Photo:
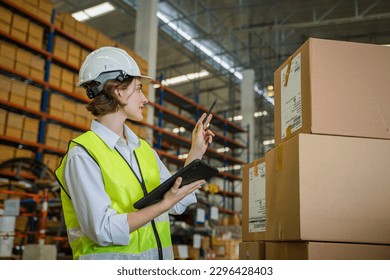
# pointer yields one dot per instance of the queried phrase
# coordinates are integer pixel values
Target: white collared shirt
(92, 204)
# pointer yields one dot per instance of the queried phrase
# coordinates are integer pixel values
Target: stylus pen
(209, 111)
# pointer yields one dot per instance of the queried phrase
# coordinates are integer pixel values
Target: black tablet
(196, 170)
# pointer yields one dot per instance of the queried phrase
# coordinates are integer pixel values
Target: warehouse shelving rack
(165, 115)
(224, 136)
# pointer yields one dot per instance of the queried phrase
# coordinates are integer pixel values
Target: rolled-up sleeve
(180, 207)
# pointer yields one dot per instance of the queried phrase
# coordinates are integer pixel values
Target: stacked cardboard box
(22, 28)
(90, 36)
(5, 20)
(19, 126)
(186, 252)
(20, 93)
(226, 249)
(327, 184)
(335, 88)
(326, 251)
(3, 119)
(69, 110)
(19, 27)
(30, 129)
(24, 153)
(252, 250)
(39, 8)
(7, 55)
(7, 152)
(52, 135)
(35, 35)
(14, 125)
(52, 161)
(22, 61)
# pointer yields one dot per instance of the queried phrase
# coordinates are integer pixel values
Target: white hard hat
(108, 63)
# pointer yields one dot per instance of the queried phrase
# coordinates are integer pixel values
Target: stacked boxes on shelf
(20, 127)
(20, 93)
(3, 118)
(5, 20)
(21, 27)
(22, 61)
(66, 102)
(91, 37)
(326, 186)
(41, 9)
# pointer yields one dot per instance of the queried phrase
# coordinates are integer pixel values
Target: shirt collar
(111, 138)
(132, 138)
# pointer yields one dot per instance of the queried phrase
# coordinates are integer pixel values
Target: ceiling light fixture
(94, 11)
(185, 78)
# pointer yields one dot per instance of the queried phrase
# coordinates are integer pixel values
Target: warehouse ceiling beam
(300, 25)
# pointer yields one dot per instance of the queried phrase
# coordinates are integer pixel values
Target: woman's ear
(118, 92)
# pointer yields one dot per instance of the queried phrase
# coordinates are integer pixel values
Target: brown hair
(107, 101)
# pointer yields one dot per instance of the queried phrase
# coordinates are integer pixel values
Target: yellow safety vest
(123, 187)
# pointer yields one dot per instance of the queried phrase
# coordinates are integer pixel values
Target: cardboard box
(7, 152)
(22, 68)
(23, 56)
(13, 132)
(18, 88)
(5, 15)
(226, 249)
(37, 62)
(5, 27)
(33, 104)
(52, 161)
(20, 35)
(15, 120)
(31, 125)
(30, 135)
(329, 188)
(325, 251)
(5, 84)
(45, 6)
(8, 50)
(56, 101)
(33, 98)
(6, 62)
(253, 200)
(20, 23)
(34, 93)
(38, 43)
(53, 131)
(252, 250)
(3, 118)
(23, 153)
(335, 88)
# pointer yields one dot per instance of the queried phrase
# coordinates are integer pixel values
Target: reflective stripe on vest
(123, 189)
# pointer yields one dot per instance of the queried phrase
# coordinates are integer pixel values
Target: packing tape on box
(288, 71)
(280, 157)
(256, 171)
(288, 132)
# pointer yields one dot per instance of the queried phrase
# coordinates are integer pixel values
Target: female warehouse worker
(108, 168)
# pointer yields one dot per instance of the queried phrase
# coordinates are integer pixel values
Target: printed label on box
(257, 198)
(291, 107)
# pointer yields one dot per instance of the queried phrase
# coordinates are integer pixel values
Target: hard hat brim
(145, 80)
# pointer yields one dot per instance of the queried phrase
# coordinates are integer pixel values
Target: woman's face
(134, 99)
